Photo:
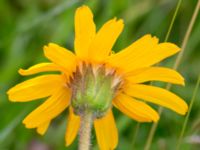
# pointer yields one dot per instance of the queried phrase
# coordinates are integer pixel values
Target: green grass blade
(59, 9)
(172, 21)
(137, 128)
(188, 114)
(5, 132)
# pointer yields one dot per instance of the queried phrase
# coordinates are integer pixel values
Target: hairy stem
(85, 131)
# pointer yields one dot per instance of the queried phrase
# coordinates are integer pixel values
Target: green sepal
(92, 92)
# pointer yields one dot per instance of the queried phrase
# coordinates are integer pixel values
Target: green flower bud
(93, 89)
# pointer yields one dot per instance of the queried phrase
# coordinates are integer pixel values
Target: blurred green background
(27, 25)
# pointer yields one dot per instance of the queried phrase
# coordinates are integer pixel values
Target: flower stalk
(85, 131)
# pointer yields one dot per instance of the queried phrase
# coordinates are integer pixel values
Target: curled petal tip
(21, 71)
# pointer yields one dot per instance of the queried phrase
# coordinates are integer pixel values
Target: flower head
(94, 79)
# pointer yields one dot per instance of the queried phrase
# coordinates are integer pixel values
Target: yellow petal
(144, 52)
(41, 129)
(85, 31)
(61, 57)
(142, 45)
(106, 132)
(135, 109)
(41, 67)
(51, 108)
(38, 87)
(104, 40)
(155, 74)
(73, 125)
(158, 96)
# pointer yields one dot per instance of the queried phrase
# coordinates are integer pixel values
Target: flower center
(93, 88)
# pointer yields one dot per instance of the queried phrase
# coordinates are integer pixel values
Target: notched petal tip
(120, 22)
(9, 93)
(115, 21)
(39, 130)
(48, 48)
(154, 39)
(45, 47)
(26, 124)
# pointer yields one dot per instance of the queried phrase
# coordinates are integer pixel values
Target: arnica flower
(93, 79)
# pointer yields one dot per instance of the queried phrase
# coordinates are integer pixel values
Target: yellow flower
(125, 72)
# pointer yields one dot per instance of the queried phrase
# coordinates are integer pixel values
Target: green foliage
(26, 26)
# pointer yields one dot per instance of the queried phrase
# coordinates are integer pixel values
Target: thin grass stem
(176, 65)
(188, 114)
(137, 127)
(173, 20)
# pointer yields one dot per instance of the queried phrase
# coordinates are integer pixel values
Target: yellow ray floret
(155, 74)
(41, 67)
(85, 31)
(143, 53)
(106, 132)
(41, 129)
(104, 40)
(61, 57)
(158, 96)
(38, 87)
(73, 125)
(51, 108)
(135, 109)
